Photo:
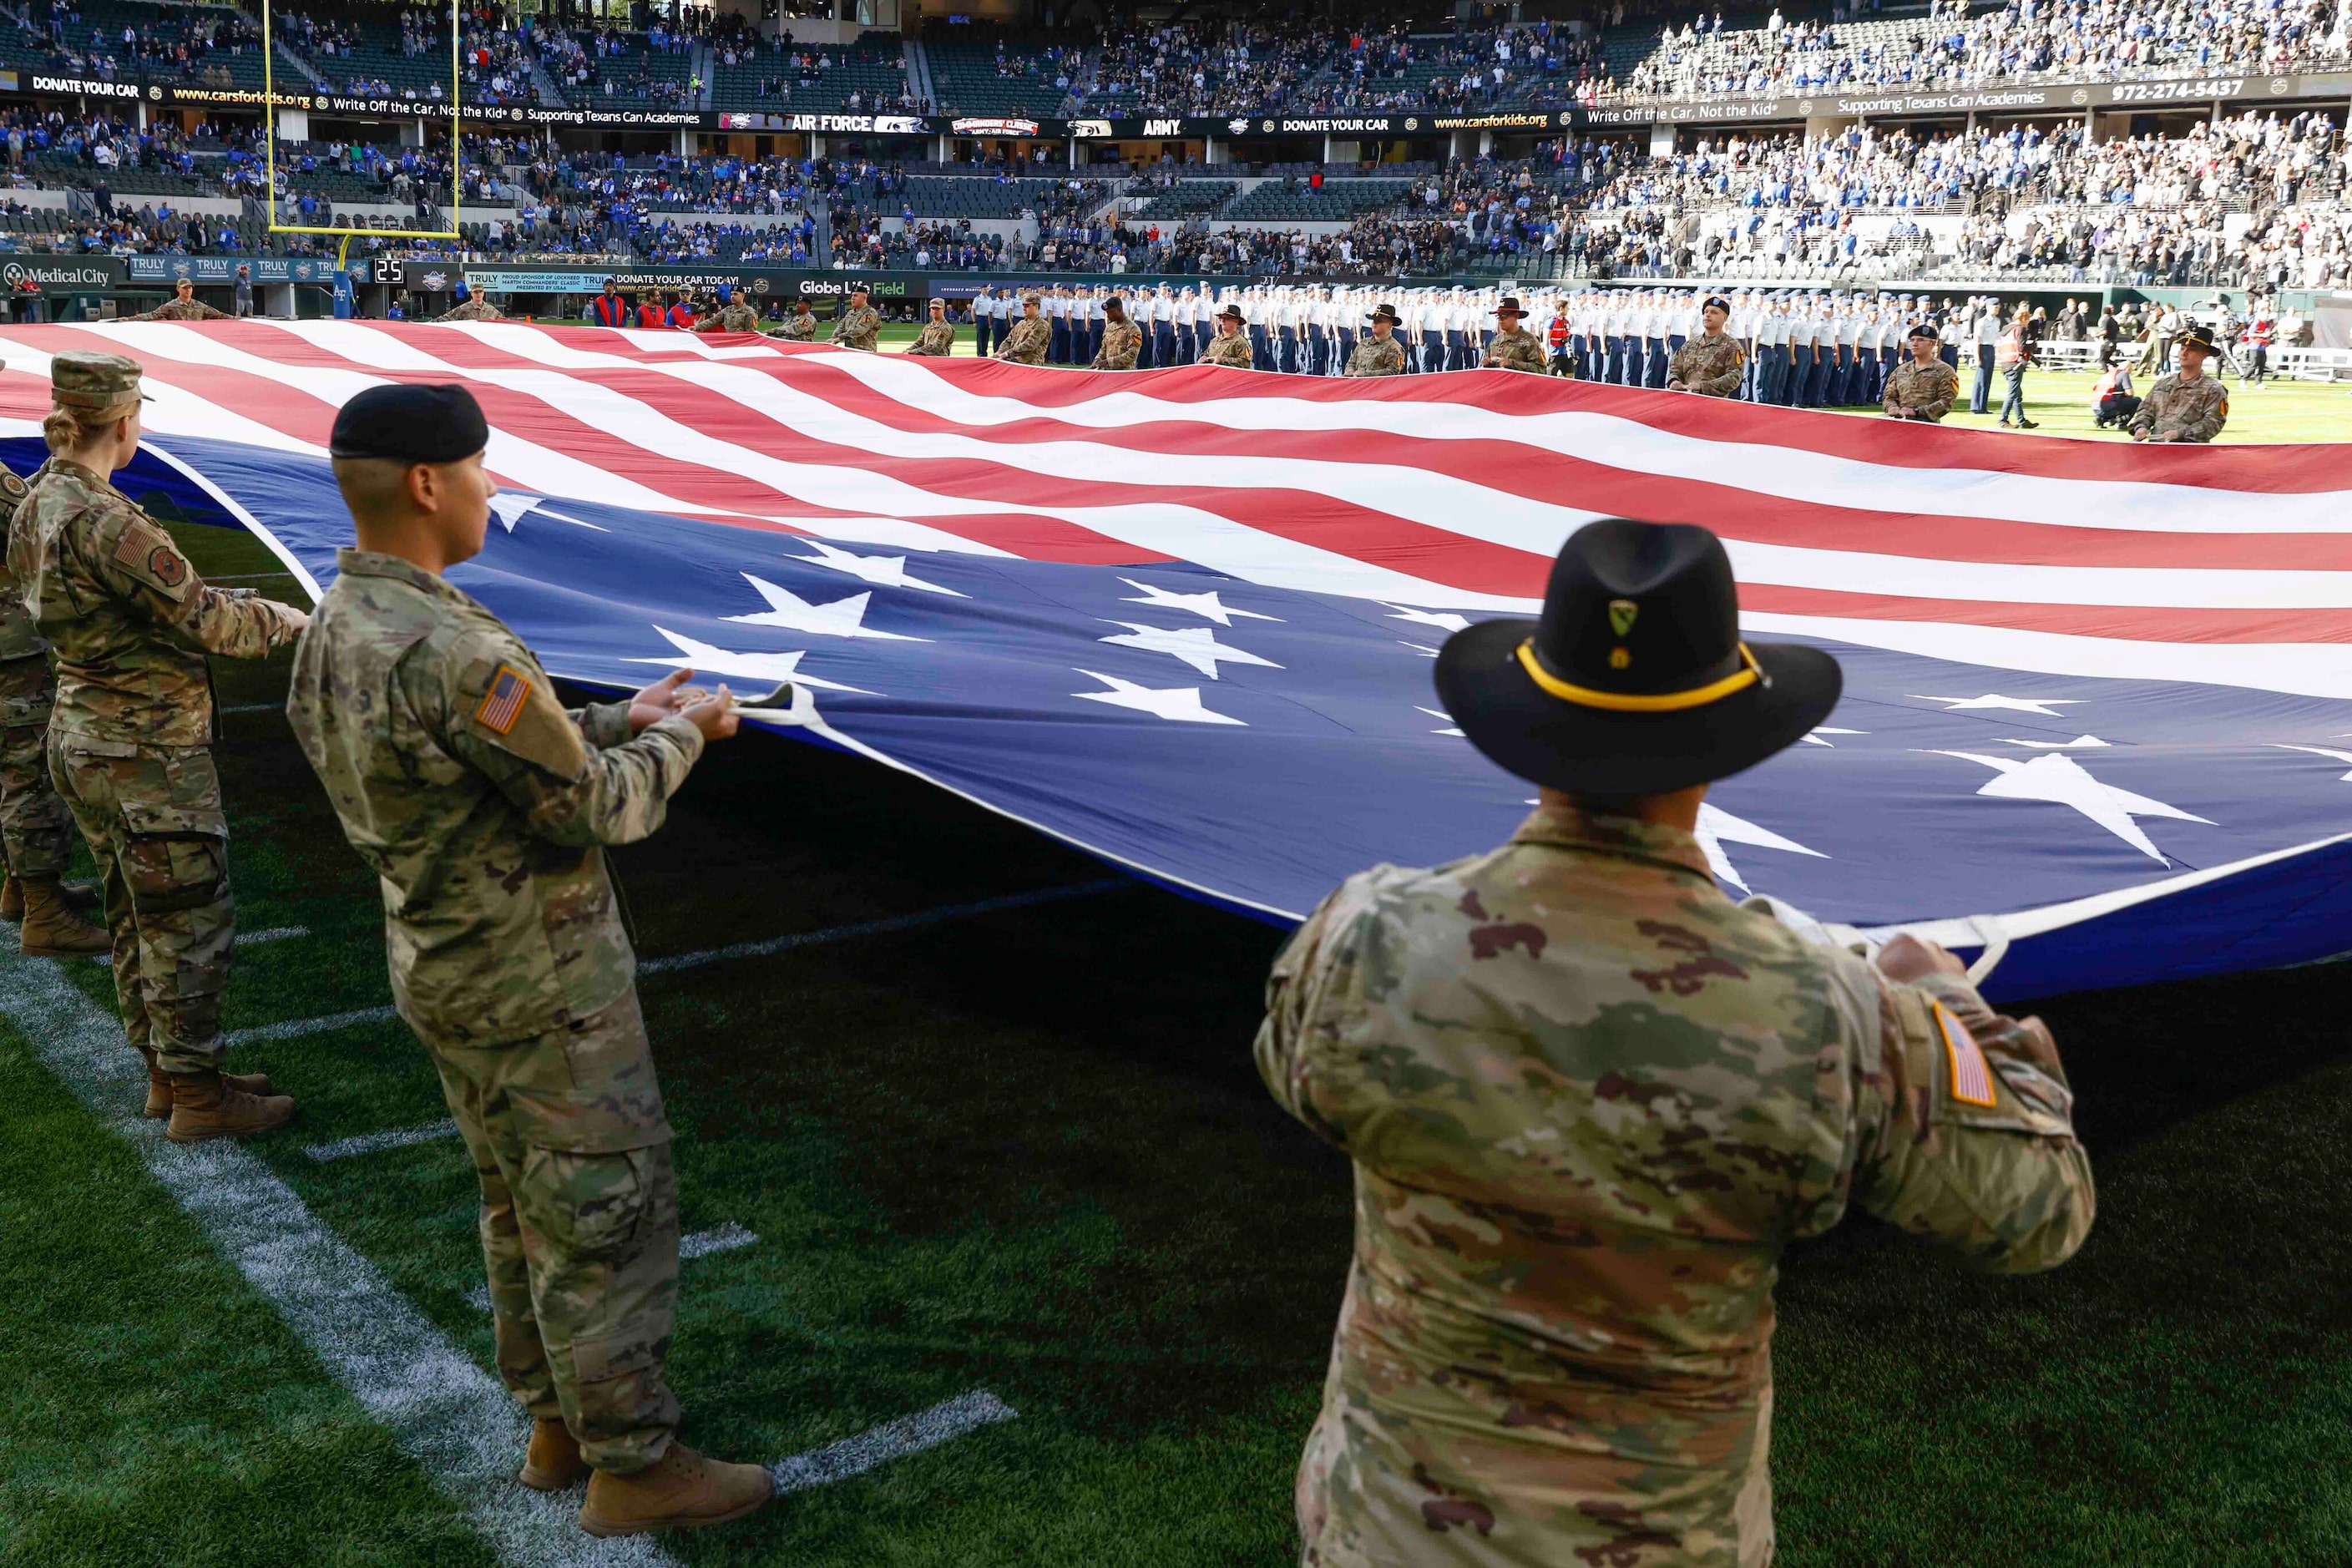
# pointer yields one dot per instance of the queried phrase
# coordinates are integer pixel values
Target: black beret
(411, 425)
(1718, 301)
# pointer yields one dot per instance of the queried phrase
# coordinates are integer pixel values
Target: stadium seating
(871, 69)
(1338, 200)
(978, 77)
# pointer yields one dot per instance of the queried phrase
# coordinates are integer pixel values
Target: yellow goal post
(456, 146)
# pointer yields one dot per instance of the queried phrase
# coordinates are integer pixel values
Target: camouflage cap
(85, 380)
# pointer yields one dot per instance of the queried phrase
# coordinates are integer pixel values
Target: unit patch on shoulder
(502, 703)
(1971, 1074)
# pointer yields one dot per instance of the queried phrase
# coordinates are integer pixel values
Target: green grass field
(1027, 1153)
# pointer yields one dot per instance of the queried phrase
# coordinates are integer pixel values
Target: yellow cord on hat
(1626, 702)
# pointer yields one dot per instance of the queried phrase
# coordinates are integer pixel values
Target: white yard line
(295, 1028)
(274, 933)
(445, 1413)
(722, 1238)
(775, 944)
(374, 1142)
(257, 708)
(924, 1429)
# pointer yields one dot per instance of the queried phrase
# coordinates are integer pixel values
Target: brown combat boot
(80, 896)
(51, 928)
(203, 1107)
(553, 1461)
(680, 1490)
(159, 1087)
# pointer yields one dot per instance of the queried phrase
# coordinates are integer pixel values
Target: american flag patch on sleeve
(1971, 1074)
(502, 704)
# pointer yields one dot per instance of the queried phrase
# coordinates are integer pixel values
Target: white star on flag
(1444, 619)
(883, 570)
(1815, 738)
(1425, 652)
(705, 658)
(841, 619)
(1438, 714)
(2079, 743)
(2318, 751)
(1181, 703)
(2061, 780)
(510, 509)
(1208, 606)
(1717, 827)
(2042, 705)
(1196, 646)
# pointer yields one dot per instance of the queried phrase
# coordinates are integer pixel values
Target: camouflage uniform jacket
(1030, 339)
(1709, 365)
(1930, 391)
(857, 328)
(798, 329)
(129, 618)
(1230, 349)
(1377, 356)
(477, 801)
(937, 341)
(734, 319)
(1122, 340)
(182, 311)
(19, 638)
(2184, 410)
(1518, 349)
(474, 309)
(1589, 1100)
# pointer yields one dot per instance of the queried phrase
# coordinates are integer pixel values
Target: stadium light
(269, 148)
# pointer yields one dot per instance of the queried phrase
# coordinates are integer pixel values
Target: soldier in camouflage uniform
(476, 308)
(1590, 1101)
(1712, 364)
(36, 829)
(800, 327)
(1379, 353)
(1231, 346)
(2187, 405)
(182, 307)
(1031, 337)
(1122, 340)
(131, 623)
(736, 316)
(1923, 386)
(859, 325)
(1513, 347)
(938, 338)
(483, 807)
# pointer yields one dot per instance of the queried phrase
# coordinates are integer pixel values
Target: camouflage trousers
(153, 818)
(36, 831)
(579, 1225)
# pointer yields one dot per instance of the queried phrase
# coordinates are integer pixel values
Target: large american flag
(2098, 712)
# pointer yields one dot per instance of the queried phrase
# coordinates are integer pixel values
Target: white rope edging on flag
(445, 1413)
(892, 1440)
(374, 1142)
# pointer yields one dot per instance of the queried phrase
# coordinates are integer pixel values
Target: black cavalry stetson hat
(1635, 680)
